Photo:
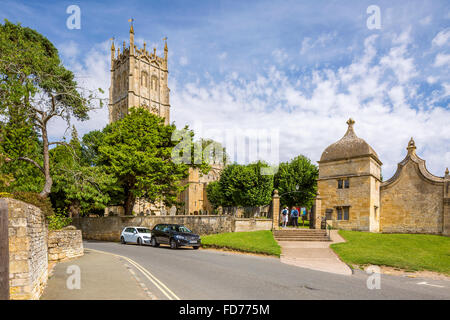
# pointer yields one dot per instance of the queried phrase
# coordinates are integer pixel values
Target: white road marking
(161, 286)
(429, 284)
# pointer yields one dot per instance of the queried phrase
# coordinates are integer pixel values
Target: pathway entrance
(313, 254)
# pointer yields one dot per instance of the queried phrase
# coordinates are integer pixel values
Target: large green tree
(137, 151)
(34, 82)
(19, 139)
(296, 182)
(77, 185)
(242, 185)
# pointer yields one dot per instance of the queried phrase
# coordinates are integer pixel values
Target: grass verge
(254, 242)
(411, 252)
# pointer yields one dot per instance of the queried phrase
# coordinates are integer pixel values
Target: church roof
(349, 146)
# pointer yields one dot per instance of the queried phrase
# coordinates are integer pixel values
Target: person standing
(294, 216)
(284, 217)
(303, 216)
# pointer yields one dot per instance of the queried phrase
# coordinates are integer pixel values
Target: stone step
(302, 239)
(299, 232)
(302, 236)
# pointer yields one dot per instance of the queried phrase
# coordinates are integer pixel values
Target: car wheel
(196, 247)
(122, 240)
(139, 242)
(173, 244)
(154, 243)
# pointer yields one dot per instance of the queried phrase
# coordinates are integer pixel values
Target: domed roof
(349, 146)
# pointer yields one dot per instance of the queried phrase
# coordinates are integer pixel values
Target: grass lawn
(255, 241)
(412, 252)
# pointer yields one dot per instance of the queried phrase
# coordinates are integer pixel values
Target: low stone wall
(64, 244)
(28, 259)
(242, 224)
(109, 228)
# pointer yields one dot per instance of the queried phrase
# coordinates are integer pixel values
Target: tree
(214, 194)
(298, 173)
(77, 185)
(17, 139)
(242, 185)
(137, 151)
(34, 82)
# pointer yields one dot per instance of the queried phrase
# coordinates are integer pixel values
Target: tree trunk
(129, 203)
(48, 179)
(74, 208)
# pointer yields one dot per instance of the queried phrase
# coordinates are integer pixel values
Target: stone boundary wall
(109, 228)
(64, 244)
(28, 258)
(243, 224)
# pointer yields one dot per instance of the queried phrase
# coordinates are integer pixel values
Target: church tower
(138, 79)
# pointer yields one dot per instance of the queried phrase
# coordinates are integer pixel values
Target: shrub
(58, 220)
(35, 199)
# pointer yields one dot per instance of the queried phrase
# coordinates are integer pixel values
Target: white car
(138, 235)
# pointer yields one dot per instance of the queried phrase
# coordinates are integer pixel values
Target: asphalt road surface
(210, 274)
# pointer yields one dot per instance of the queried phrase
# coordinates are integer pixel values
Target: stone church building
(352, 195)
(140, 79)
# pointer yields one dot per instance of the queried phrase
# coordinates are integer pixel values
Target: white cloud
(377, 91)
(308, 44)
(183, 60)
(69, 50)
(425, 21)
(91, 73)
(442, 59)
(441, 38)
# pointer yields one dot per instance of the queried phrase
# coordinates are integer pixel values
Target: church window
(340, 181)
(154, 83)
(144, 79)
(346, 183)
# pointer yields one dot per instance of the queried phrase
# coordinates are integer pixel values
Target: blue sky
(303, 67)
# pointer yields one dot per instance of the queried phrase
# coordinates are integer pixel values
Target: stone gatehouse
(353, 196)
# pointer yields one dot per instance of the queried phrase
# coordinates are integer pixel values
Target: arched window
(124, 81)
(118, 84)
(144, 79)
(154, 83)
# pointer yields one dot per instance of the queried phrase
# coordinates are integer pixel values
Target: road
(210, 274)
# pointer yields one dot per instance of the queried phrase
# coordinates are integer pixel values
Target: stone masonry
(64, 244)
(353, 197)
(27, 250)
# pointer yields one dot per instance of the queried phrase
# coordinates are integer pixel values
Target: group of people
(293, 215)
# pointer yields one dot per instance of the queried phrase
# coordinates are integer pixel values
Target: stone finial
(124, 45)
(131, 20)
(446, 172)
(350, 122)
(275, 193)
(411, 146)
(145, 44)
(113, 49)
(350, 132)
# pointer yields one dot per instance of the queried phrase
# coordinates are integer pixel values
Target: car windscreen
(183, 229)
(143, 230)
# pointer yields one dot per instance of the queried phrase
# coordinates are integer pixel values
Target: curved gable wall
(412, 200)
